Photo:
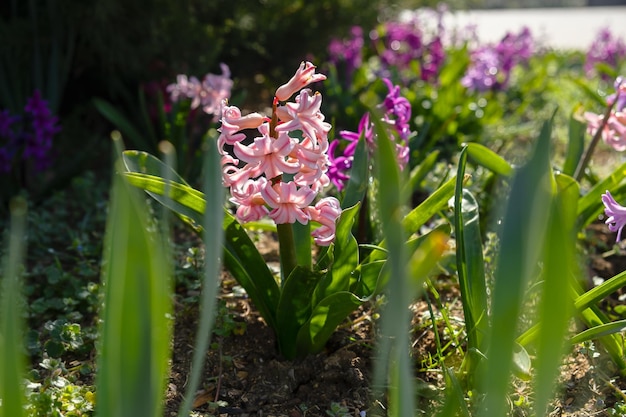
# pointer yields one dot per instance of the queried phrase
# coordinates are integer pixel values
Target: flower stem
(582, 164)
(287, 247)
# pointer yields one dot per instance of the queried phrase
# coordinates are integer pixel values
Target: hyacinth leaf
(134, 350)
(556, 305)
(470, 264)
(122, 123)
(393, 353)
(523, 231)
(12, 360)
(487, 158)
(420, 172)
(324, 319)
(575, 144)
(345, 257)
(241, 257)
(599, 331)
(597, 294)
(359, 176)
(213, 238)
(590, 205)
(294, 308)
(370, 278)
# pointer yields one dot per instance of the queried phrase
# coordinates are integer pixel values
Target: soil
(245, 375)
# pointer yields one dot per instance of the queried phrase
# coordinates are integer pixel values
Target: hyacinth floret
(281, 171)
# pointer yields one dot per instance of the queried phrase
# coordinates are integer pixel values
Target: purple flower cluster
(208, 93)
(406, 42)
(397, 114)
(348, 52)
(28, 136)
(491, 65)
(605, 49)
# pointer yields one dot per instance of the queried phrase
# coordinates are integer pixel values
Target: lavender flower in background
(491, 65)
(605, 49)
(348, 51)
(28, 137)
(616, 214)
(397, 114)
(208, 93)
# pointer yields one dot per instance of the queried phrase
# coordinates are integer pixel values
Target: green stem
(287, 246)
(582, 164)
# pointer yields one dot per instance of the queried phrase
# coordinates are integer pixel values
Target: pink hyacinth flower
(251, 205)
(267, 155)
(233, 122)
(304, 76)
(616, 214)
(305, 115)
(326, 212)
(288, 202)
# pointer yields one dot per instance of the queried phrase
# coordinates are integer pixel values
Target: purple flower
(348, 51)
(491, 65)
(397, 114)
(605, 49)
(38, 143)
(616, 214)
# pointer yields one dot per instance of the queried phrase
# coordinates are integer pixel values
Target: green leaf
(487, 158)
(523, 231)
(12, 359)
(241, 257)
(420, 172)
(135, 331)
(345, 257)
(575, 144)
(599, 331)
(324, 319)
(470, 264)
(294, 308)
(122, 123)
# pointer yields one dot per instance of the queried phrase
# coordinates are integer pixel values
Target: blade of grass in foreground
(135, 334)
(521, 239)
(213, 238)
(11, 348)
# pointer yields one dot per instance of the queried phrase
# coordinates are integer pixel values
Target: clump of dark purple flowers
(491, 65)
(406, 42)
(347, 52)
(396, 115)
(28, 136)
(606, 49)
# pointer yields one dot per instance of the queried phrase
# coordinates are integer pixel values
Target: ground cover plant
(421, 225)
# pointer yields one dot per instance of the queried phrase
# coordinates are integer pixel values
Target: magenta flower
(616, 214)
(288, 202)
(605, 49)
(304, 76)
